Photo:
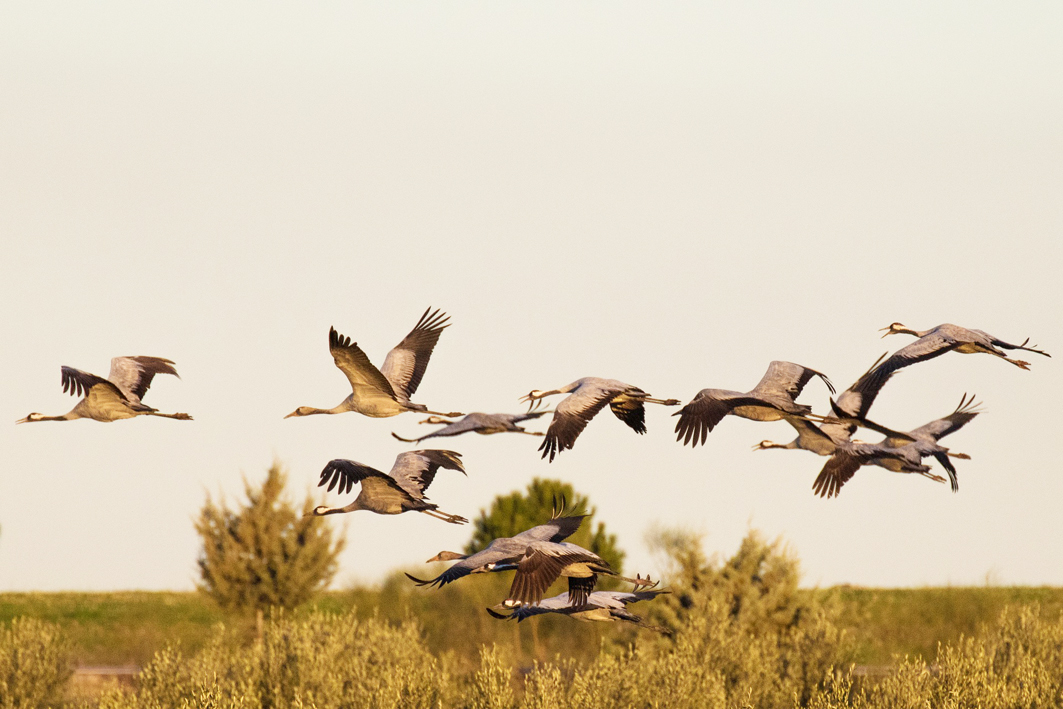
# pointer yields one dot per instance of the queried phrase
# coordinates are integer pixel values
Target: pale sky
(670, 194)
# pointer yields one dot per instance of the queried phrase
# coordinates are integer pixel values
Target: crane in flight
(114, 398)
(400, 490)
(586, 397)
(948, 338)
(386, 391)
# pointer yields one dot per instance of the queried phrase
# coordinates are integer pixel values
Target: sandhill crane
(945, 338)
(502, 553)
(602, 606)
(586, 397)
(484, 424)
(118, 396)
(771, 399)
(899, 455)
(386, 391)
(401, 490)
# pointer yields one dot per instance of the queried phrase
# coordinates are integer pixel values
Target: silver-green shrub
(321, 661)
(34, 664)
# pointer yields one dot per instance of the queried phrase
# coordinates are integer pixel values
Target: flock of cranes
(540, 556)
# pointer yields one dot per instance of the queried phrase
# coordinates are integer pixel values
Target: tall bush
(265, 554)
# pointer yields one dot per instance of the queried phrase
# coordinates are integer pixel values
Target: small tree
(266, 554)
(513, 513)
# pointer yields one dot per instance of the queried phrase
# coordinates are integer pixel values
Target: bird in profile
(948, 338)
(601, 606)
(772, 399)
(586, 397)
(484, 424)
(900, 455)
(114, 398)
(503, 553)
(400, 490)
(386, 391)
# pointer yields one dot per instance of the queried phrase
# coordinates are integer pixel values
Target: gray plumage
(400, 490)
(502, 553)
(952, 338)
(386, 391)
(476, 422)
(586, 397)
(600, 606)
(117, 397)
(772, 399)
(899, 455)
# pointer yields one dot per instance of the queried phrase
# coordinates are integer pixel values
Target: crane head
(446, 556)
(301, 411)
(894, 328)
(320, 510)
(30, 418)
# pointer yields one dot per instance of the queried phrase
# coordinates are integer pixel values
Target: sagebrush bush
(320, 661)
(34, 664)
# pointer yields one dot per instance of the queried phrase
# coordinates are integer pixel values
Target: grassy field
(129, 627)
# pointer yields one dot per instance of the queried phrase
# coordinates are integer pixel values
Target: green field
(129, 627)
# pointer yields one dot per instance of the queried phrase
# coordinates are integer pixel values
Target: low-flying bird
(400, 490)
(899, 455)
(386, 391)
(484, 424)
(772, 399)
(602, 606)
(586, 397)
(543, 562)
(948, 338)
(118, 396)
(503, 553)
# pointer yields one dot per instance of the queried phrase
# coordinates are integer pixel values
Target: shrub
(34, 664)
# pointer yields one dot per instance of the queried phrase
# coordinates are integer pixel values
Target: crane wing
(630, 411)
(556, 530)
(349, 472)
(133, 375)
(360, 372)
(405, 364)
(537, 570)
(959, 418)
(571, 417)
(79, 383)
(707, 409)
(927, 347)
(414, 471)
(837, 471)
(789, 378)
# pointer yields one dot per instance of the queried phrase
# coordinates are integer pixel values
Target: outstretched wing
(78, 383)
(959, 418)
(789, 378)
(133, 375)
(537, 570)
(631, 411)
(349, 472)
(360, 372)
(557, 529)
(925, 348)
(705, 410)
(405, 364)
(414, 471)
(572, 416)
(838, 470)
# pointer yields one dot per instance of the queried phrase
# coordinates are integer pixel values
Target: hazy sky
(670, 194)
